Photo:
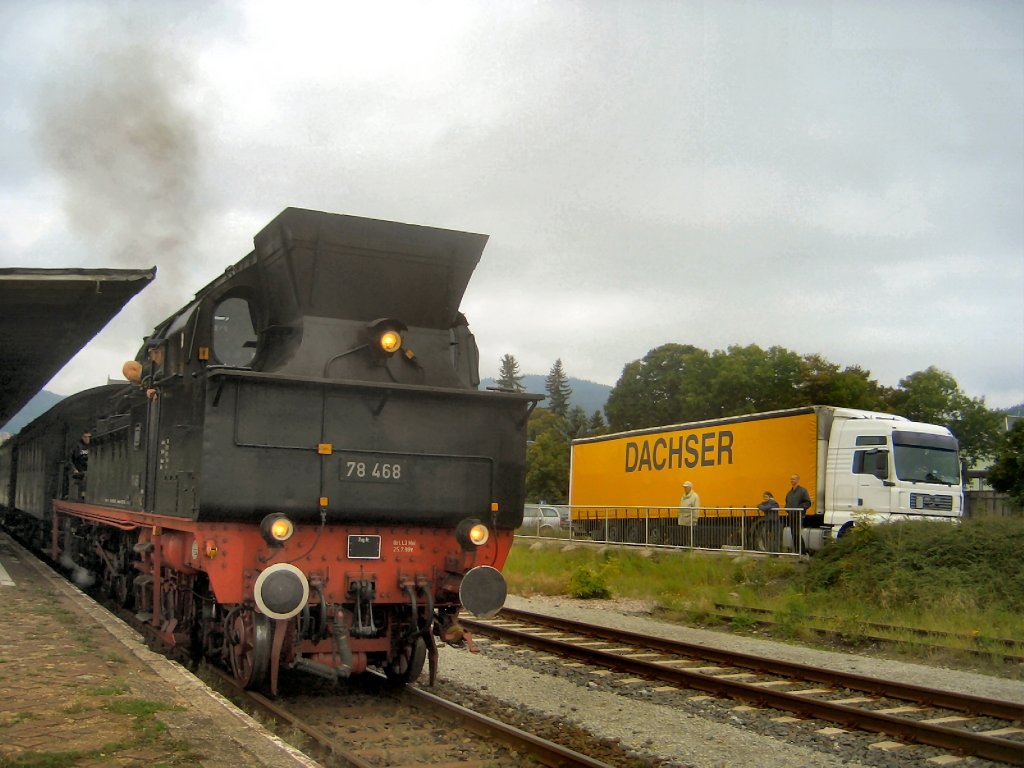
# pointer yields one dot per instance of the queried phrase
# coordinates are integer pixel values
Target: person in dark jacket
(770, 508)
(80, 465)
(798, 501)
(80, 455)
(154, 368)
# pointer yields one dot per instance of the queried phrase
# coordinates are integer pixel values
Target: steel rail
(961, 702)
(989, 747)
(545, 752)
(282, 715)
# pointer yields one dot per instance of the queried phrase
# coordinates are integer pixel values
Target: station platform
(78, 687)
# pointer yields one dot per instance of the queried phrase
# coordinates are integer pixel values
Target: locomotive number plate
(362, 547)
(372, 470)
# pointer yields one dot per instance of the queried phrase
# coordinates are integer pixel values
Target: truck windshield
(927, 463)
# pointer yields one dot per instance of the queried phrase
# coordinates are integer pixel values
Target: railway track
(1007, 651)
(957, 723)
(369, 726)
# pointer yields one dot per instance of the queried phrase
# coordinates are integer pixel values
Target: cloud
(843, 178)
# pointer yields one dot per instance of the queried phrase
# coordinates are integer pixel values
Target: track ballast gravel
(648, 726)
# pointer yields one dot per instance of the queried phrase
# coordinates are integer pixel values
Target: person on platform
(770, 509)
(688, 505)
(798, 501)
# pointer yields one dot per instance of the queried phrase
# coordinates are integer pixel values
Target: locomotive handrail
(93, 513)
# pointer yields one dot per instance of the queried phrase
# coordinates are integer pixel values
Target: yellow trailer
(628, 486)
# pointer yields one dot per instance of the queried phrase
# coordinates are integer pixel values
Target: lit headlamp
(385, 336)
(390, 341)
(471, 533)
(276, 529)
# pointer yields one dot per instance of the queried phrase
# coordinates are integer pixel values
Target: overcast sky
(845, 178)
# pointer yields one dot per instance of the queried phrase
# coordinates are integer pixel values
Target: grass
(964, 579)
(147, 730)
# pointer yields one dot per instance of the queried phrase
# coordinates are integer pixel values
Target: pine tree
(508, 375)
(597, 425)
(576, 423)
(558, 389)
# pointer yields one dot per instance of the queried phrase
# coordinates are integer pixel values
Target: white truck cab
(881, 467)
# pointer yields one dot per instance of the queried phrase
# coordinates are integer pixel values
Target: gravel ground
(687, 729)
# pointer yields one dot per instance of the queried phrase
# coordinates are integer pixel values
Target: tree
(596, 426)
(547, 468)
(933, 396)
(822, 383)
(557, 386)
(667, 386)
(576, 423)
(547, 457)
(751, 380)
(1007, 473)
(677, 383)
(978, 429)
(508, 374)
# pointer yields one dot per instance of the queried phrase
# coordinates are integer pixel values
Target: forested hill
(589, 395)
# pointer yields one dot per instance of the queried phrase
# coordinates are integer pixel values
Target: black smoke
(116, 124)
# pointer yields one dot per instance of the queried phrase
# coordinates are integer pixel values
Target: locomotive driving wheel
(248, 640)
(407, 665)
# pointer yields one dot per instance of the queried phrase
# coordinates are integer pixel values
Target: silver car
(540, 520)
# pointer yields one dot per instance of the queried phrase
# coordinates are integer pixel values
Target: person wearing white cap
(688, 505)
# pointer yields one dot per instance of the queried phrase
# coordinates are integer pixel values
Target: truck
(858, 466)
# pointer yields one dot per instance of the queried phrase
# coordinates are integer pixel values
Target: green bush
(588, 583)
(977, 563)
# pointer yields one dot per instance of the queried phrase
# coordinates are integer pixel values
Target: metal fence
(709, 528)
(990, 504)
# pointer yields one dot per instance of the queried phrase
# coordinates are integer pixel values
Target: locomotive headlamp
(479, 534)
(276, 529)
(471, 533)
(390, 341)
(385, 335)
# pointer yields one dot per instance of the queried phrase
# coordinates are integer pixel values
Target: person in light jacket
(688, 505)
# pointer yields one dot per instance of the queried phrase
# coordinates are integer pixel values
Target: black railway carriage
(306, 474)
(35, 464)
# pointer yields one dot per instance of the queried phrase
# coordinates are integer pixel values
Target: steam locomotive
(301, 472)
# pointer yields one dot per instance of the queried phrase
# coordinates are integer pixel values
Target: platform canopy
(47, 316)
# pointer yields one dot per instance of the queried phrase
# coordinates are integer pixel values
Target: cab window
(873, 462)
(234, 337)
